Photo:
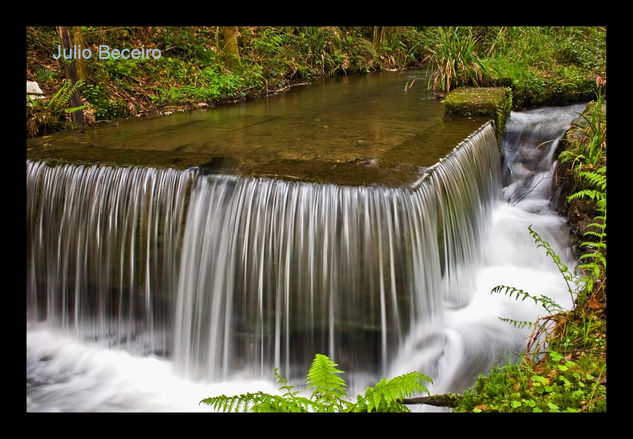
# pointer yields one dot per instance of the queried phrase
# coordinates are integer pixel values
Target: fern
(519, 324)
(596, 178)
(257, 402)
(568, 276)
(592, 194)
(595, 233)
(329, 390)
(547, 303)
(387, 395)
(59, 101)
(74, 109)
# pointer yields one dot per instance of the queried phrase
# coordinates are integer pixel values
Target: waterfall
(103, 250)
(274, 271)
(472, 338)
(219, 279)
(258, 273)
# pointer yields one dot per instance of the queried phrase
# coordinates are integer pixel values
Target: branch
(444, 400)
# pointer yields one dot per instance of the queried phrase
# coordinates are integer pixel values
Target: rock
(494, 102)
(34, 91)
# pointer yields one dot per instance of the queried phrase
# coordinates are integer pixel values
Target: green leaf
(553, 407)
(555, 356)
(323, 378)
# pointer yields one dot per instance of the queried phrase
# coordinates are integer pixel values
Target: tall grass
(453, 59)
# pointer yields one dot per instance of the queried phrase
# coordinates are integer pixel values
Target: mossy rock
(493, 102)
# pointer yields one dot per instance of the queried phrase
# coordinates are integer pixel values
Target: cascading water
(472, 338)
(102, 247)
(274, 271)
(209, 279)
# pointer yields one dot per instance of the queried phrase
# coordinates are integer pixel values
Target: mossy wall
(493, 102)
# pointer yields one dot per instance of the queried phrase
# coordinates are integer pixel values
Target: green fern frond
(600, 235)
(259, 402)
(329, 389)
(593, 244)
(596, 179)
(590, 268)
(284, 385)
(58, 102)
(540, 242)
(516, 293)
(519, 324)
(241, 402)
(592, 194)
(599, 226)
(75, 109)
(387, 395)
(323, 378)
(565, 156)
(595, 256)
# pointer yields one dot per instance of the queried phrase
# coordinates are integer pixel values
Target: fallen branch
(444, 400)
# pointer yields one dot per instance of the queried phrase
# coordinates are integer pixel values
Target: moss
(493, 102)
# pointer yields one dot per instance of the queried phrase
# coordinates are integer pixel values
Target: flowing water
(149, 289)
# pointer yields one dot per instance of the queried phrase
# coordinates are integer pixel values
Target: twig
(444, 400)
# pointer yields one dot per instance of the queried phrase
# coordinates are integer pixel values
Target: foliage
(589, 171)
(542, 65)
(594, 271)
(453, 60)
(569, 376)
(328, 393)
(103, 107)
(589, 151)
(52, 115)
(386, 394)
(557, 384)
(536, 62)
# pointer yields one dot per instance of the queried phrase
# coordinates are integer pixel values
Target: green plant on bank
(557, 382)
(596, 233)
(566, 370)
(328, 394)
(590, 151)
(572, 281)
(52, 115)
(549, 65)
(588, 165)
(103, 107)
(453, 60)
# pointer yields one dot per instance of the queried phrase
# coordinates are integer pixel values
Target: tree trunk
(231, 51)
(80, 64)
(70, 69)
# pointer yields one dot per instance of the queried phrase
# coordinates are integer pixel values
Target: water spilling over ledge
(217, 272)
(262, 272)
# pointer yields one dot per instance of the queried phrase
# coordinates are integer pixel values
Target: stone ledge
(493, 102)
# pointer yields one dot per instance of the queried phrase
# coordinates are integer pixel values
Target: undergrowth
(328, 393)
(564, 366)
(542, 65)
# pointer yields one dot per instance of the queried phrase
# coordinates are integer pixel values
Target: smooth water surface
(350, 130)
